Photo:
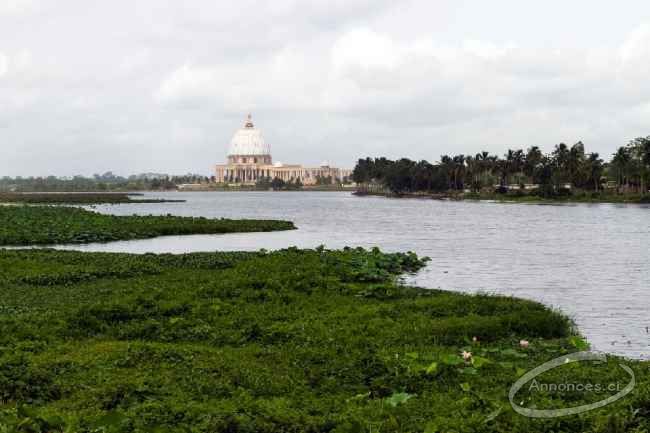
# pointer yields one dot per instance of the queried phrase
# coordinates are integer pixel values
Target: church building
(249, 160)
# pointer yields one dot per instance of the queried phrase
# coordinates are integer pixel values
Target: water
(590, 261)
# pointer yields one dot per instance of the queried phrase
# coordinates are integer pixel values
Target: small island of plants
(46, 225)
(82, 198)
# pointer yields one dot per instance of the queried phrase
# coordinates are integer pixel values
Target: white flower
(524, 344)
(475, 339)
(467, 356)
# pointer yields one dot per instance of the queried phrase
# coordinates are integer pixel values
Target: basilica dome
(248, 141)
(250, 162)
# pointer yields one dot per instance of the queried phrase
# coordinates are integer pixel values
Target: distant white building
(249, 160)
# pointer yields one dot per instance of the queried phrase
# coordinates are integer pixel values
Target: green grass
(577, 197)
(42, 225)
(76, 198)
(289, 341)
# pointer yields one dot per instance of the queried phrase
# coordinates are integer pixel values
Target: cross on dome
(249, 121)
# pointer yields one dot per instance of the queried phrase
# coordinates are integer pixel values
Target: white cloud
(16, 7)
(634, 67)
(637, 45)
(4, 64)
(364, 49)
(487, 50)
(410, 82)
(185, 83)
(332, 80)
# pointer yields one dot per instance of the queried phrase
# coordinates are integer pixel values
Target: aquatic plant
(34, 225)
(293, 340)
(77, 198)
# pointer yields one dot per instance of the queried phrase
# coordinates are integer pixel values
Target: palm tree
(595, 170)
(533, 160)
(575, 162)
(518, 160)
(560, 160)
(423, 176)
(472, 172)
(459, 171)
(484, 163)
(447, 164)
(621, 163)
(507, 167)
(640, 152)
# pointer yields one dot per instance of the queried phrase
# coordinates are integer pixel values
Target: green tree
(263, 183)
(533, 160)
(575, 164)
(560, 157)
(621, 165)
(277, 184)
(595, 169)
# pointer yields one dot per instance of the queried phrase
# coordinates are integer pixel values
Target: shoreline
(72, 198)
(505, 198)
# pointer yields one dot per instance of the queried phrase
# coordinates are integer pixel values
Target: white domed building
(249, 161)
(248, 145)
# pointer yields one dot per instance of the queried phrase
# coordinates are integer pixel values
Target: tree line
(277, 184)
(142, 182)
(565, 169)
(97, 183)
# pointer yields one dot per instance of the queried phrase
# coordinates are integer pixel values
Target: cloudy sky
(89, 86)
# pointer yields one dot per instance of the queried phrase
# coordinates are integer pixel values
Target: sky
(91, 86)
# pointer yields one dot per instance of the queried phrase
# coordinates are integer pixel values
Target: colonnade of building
(249, 175)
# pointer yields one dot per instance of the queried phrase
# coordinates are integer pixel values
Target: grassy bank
(290, 341)
(76, 198)
(42, 225)
(578, 197)
(515, 196)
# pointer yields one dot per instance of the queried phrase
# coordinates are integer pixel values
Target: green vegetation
(290, 341)
(565, 174)
(573, 197)
(75, 198)
(43, 225)
(277, 184)
(152, 182)
(104, 182)
(322, 184)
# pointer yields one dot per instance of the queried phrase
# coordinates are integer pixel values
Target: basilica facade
(249, 160)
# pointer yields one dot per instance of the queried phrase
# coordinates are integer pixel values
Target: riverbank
(48, 225)
(84, 198)
(516, 197)
(294, 340)
(253, 188)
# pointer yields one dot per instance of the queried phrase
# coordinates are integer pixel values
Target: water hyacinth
(291, 340)
(45, 225)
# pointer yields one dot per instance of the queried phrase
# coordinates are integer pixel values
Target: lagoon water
(589, 261)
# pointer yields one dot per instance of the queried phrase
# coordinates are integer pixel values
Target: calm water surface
(590, 261)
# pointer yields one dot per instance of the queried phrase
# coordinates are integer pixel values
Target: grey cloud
(90, 86)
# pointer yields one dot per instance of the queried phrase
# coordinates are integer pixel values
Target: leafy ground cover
(289, 341)
(42, 225)
(75, 198)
